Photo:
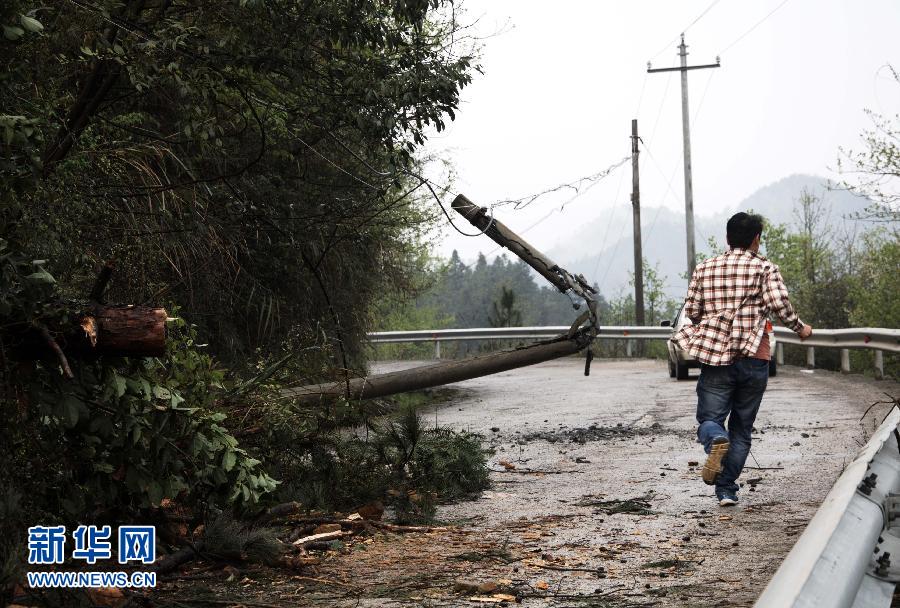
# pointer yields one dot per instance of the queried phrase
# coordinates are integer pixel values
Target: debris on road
(634, 506)
(594, 432)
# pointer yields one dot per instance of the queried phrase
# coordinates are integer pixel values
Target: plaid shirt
(729, 299)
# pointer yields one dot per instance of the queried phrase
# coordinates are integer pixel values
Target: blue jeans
(734, 392)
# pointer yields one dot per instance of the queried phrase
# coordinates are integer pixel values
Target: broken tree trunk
(441, 373)
(100, 330)
(130, 331)
(115, 330)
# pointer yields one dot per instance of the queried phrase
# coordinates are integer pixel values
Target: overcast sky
(564, 79)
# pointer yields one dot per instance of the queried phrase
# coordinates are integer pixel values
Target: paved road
(688, 551)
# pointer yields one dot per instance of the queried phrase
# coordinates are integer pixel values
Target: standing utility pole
(688, 186)
(636, 214)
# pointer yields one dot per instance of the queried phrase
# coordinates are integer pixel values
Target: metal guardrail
(849, 554)
(514, 333)
(871, 338)
(875, 338)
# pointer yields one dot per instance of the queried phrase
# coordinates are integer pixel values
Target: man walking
(729, 300)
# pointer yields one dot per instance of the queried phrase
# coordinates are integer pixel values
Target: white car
(680, 362)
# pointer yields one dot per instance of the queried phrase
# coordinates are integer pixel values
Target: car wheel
(681, 371)
(773, 368)
(671, 366)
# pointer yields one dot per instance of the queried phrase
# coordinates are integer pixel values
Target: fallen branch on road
(179, 558)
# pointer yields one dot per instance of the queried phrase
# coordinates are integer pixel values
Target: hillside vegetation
(252, 166)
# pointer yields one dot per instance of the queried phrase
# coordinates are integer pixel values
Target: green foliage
(874, 289)
(255, 162)
(504, 310)
(399, 311)
(454, 295)
(876, 283)
(253, 165)
(876, 167)
(835, 280)
(817, 277)
(468, 293)
(123, 434)
(398, 461)
(225, 538)
(12, 542)
(657, 305)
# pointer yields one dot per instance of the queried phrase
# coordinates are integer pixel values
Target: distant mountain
(602, 249)
(776, 201)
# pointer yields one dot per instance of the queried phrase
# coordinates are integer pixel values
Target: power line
(615, 202)
(576, 185)
(608, 225)
(615, 250)
(662, 104)
(758, 23)
(621, 178)
(684, 30)
(565, 204)
(680, 158)
(714, 2)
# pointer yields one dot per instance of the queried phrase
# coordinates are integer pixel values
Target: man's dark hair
(742, 228)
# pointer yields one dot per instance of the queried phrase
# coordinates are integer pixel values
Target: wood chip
(318, 538)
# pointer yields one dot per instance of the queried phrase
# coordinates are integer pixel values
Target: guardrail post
(628, 348)
(810, 357)
(779, 353)
(845, 360)
(879, 364)
(437, 349)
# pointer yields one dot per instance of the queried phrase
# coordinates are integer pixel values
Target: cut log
(130, 331)
(442, 373)
(101, 330)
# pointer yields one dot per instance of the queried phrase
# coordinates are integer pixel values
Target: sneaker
(713, 465)
(726, 498)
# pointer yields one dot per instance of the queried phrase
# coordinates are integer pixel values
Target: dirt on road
(597, 499)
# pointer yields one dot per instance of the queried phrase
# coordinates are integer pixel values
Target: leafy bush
(123, 434)
(397, 461)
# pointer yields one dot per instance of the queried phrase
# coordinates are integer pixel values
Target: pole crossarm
(687, 67)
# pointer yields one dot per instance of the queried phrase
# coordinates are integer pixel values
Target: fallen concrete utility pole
(442, 373)
(577, 338)
(559, 277)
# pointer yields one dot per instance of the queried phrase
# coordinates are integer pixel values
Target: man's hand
(805, 331)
